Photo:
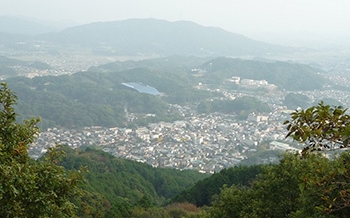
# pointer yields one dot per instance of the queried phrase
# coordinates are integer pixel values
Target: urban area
(203, 142)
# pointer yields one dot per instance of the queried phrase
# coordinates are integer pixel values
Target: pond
(142, 88)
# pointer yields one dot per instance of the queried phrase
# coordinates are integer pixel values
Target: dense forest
(126, 182)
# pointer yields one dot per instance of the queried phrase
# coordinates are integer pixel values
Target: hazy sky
(254, 18)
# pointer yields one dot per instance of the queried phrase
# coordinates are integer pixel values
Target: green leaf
(302, 187)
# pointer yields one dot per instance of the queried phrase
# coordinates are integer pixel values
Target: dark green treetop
(30, 188)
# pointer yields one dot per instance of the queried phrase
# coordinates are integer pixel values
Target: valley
(148, 117)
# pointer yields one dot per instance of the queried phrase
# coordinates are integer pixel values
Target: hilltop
(152, 36)
(132, 37)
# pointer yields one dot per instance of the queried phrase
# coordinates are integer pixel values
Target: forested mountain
(286, 75)
(87, 99)
(126, 182)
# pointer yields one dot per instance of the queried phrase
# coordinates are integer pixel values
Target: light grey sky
(254, 18)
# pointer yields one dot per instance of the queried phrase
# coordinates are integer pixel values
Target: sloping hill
(203, 191)
(152, 36)
(16, 25)
(117, 178)
(9, 66)
(99, 98)
(289, 76)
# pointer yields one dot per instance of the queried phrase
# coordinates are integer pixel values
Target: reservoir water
(142, 88)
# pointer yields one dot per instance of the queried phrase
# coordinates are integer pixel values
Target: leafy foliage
(30, 188)
(296, 187)
(320, 127)
(327, 186)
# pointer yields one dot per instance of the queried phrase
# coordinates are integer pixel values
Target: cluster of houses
(207, 143)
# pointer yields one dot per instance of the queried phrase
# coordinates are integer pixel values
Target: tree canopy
(30, 188)
(321, 127)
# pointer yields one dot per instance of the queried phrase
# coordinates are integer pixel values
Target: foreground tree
(320, 128)
(327, 186)
(30, 188)
(296, 187)
(325, 128)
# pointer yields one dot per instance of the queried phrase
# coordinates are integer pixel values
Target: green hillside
(127, 182)
(203, 191)
(7, 64)
(289, 76)
(241, 106)
(99, 98)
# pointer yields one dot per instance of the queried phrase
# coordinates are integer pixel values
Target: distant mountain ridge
(16, 25)
(152, 36)
(134, 37)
